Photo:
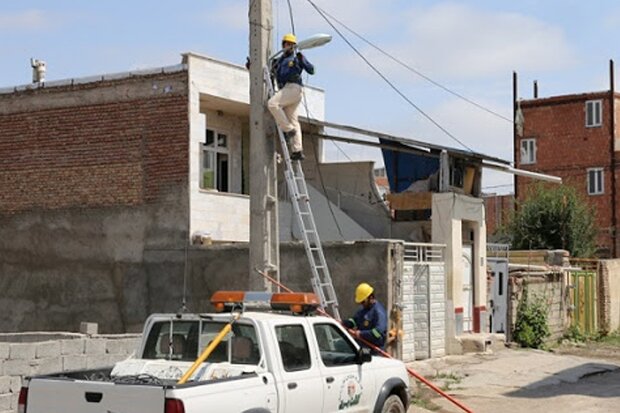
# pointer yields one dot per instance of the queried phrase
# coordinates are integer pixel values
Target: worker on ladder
(284, 104)
(370, 321)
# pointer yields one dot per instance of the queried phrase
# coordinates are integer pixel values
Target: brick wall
(94, 179)
(66, 353)
(497, 211)
(107, 143)
(566, 148)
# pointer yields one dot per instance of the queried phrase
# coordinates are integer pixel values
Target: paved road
(523, 381)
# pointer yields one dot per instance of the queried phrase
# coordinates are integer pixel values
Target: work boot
(297, 156)
(289, 135)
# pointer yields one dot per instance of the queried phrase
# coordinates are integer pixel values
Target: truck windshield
(181, 340)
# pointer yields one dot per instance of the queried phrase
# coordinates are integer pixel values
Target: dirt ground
(569, 378)
(605, 350)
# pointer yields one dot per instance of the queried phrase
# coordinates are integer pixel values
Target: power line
(382, 76)
(309, 115)
(290, 13)
(318, 168)
(417, 72)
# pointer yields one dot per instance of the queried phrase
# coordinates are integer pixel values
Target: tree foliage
(553, 218)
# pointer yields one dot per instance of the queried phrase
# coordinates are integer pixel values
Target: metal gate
(497, 259)
(583, 300)
(468, 288)
(424, 299)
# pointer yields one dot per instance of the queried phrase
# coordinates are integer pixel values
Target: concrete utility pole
(264, 237)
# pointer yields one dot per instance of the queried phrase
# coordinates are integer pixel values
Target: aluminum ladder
(298, 191)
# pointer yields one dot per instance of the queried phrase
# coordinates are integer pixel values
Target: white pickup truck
(269, 362)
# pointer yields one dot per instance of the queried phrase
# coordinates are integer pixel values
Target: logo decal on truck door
(350, 392)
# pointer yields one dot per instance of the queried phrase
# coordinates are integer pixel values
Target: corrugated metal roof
(416, 145)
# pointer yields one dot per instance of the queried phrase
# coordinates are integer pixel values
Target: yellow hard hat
(289, 37)
(362, 292)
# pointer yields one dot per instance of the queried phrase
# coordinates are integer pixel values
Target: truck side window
(293, 347)
(335, 348)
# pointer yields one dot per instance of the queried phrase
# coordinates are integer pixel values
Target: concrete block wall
(424, 316)
(409, 287)
(437, 309)
(609, 295)
(549, 286)
(23, 354)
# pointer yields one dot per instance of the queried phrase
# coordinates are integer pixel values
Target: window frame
(594, 191)
(528, 158)
(353, 347)
(597, 104)
(216, 149)
(286, 368)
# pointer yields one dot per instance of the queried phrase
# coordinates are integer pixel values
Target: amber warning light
(252, 300)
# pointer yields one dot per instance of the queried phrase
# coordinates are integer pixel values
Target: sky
(471, 47)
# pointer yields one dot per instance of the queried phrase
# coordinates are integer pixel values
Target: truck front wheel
(393, 404)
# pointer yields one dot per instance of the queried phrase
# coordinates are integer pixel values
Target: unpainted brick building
(575, 137)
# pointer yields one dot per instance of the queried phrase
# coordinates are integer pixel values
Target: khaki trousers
(284, 107)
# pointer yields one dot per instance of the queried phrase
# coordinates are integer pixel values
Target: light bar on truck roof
(255, 300)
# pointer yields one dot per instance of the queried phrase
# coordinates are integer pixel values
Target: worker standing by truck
(284, 104)
(370, 321)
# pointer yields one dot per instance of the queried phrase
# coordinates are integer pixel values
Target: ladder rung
(298, 192)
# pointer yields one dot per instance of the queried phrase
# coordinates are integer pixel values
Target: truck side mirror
(363, 356)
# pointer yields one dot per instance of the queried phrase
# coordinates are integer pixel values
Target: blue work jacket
(288, 69)
(371, 323)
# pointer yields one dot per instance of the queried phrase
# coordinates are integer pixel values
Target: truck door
(299, 385)
(346, 385)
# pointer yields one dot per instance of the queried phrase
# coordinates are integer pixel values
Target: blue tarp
(405, 168)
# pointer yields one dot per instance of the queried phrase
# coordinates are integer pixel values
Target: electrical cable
(386, 80)
(318, 168)
(417, 72)
(290, 13)
(277, 19)
(309, 115)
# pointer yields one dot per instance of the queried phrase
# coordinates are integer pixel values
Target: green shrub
(574, 334)
(531, 327)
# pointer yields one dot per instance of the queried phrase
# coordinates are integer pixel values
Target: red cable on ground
(383, 353)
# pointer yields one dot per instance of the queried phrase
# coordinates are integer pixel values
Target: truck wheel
(393, 404)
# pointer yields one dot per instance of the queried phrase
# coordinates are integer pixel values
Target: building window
(214, 165)
(596, 181)
(528, 151)
(594, 113)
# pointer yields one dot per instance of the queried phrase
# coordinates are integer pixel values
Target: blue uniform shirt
(371, 323)
(288, 69)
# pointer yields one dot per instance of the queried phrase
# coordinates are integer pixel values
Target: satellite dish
(309, 43)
